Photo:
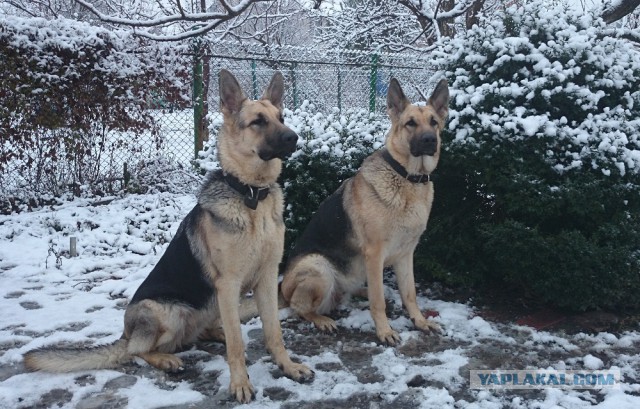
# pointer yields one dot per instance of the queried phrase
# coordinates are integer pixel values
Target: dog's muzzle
(424, 144)
(281, 146)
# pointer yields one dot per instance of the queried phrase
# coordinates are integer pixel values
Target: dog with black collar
(374, 220)
(231, 242)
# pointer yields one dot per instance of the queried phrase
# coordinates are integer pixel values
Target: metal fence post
(198, 100)
(295, 85)
(373, 81)
(254, 79)
(339, 90)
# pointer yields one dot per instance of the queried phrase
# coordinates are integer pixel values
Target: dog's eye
(411, 123)
(434, 123)
(259, 121)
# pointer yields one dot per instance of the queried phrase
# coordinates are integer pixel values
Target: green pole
(295, 85)
(254, 79)
(373, 80)
(198, 101)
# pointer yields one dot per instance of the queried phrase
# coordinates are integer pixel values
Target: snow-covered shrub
(539, 183)
(331, 148)
(65, 86)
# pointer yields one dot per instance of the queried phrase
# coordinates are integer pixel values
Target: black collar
(252, 194)
(403, 172)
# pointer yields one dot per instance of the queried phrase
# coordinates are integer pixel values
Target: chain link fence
(328, 80)
(58, 161)
(107, 161)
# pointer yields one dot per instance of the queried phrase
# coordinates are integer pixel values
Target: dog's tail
(249, 307)
(51, 359)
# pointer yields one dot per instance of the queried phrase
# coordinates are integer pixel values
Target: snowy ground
(46, 298)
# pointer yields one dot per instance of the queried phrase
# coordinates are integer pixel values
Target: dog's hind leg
(310, 290)
(213, 332)
(165, 362)
(145, 334)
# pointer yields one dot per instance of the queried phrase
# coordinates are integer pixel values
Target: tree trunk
(620, 10)
(446, 25)
(472, 16)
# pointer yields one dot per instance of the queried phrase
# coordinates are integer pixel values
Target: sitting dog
(231, 242)
(373, 220)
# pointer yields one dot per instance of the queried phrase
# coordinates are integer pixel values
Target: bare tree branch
(616, 11)
(439, 21)
(211, 20)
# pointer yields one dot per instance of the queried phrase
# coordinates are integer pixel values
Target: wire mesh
(103, 161)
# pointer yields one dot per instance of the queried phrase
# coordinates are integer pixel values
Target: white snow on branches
(548, 73)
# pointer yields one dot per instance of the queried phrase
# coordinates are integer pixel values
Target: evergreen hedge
(539, 186)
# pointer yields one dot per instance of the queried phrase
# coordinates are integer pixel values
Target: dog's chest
(408, 218)
(407, 226)
(261, 239)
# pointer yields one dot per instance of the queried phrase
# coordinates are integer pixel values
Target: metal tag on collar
(251, 199)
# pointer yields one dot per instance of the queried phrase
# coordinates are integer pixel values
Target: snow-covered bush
(160, 174)
(331, 148)
(65, 85)
(540, 178)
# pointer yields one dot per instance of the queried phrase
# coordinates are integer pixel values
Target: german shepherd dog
(373, 220)
(231, 242)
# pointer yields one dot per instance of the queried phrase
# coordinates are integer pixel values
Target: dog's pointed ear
(275, 91)
(231, 95)
(396, 100)
(439, 100)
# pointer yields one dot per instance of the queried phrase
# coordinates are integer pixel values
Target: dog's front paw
(299, 372)
(389, 337)
(242, 391)
(426, 325)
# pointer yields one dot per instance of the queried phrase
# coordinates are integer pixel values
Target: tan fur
(388, 214)
(240, 158)
(239, 249)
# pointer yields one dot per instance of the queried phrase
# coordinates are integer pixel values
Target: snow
(47, 297)
(47, 41)
(592, 362)
(517, 81)
(80, 300)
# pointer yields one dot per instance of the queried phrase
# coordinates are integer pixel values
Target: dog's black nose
(429, 139)
(424, 144)
(290, 138)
